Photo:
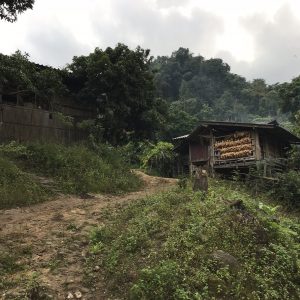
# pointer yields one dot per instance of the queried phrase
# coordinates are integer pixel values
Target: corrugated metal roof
(181, 137)
(237, 124)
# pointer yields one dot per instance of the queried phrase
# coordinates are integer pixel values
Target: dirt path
(51, 240)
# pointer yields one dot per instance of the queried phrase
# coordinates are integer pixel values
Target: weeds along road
(51, 240)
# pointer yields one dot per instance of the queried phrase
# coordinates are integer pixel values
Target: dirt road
(49, 241)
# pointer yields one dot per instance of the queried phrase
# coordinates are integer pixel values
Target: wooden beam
(212, 154)
(190, 159)
(258, 153)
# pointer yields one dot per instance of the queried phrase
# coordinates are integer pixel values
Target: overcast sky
(258, 38)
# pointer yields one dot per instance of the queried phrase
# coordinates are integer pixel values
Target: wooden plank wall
(272, 148)
(199, 151)
(28, 124)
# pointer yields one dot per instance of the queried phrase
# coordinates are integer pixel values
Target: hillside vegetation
(74, 169)
(185, 245)
(18, 188)
(139, 97)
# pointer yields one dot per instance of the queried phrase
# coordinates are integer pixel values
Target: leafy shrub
(86, 124)
(294, 158)
(13, 150)
(159, 157)
(133, 152)
(157, 283)
(17, 188)
(77, 168)
(183, 182)
(162, 247)
(67, 121)
(287, 188)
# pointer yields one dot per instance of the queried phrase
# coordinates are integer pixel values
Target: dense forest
(200, 89)
(137, 96)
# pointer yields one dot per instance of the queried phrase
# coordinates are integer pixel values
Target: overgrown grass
(182, 245)
(285, 189)
(76, 169)
(18, 188)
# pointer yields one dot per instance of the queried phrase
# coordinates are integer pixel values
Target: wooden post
(1, 91)
(212, 154)
(265, 168)
(258, 154)
(190, 160)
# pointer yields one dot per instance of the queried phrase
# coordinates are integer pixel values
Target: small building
(226, 146)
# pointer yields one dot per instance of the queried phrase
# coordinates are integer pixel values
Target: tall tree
(16, 73)
(290, 94)
(120, 81)
(217, 93)
(19, 76)
(9, 9)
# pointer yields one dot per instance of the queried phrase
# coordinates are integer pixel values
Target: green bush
(159, 157)
(294, 158)
(157, 283)
(76, 168)
(163, 247)
(287, 189)
(133, 152)
(17, 188)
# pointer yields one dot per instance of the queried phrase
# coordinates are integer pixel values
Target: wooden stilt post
(265, 168)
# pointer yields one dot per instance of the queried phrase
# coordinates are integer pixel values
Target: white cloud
(139, 23)
(276, 47)
(171, 3)
(259, 38)
(54, 46)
